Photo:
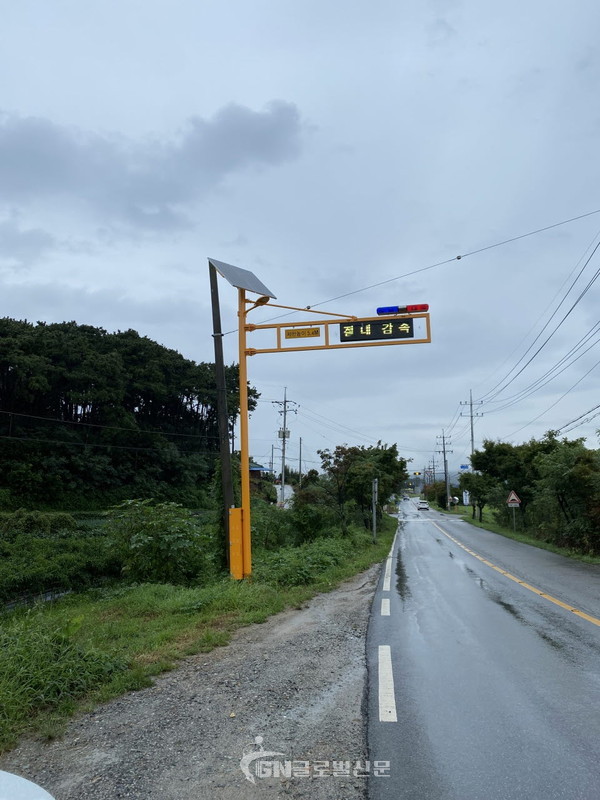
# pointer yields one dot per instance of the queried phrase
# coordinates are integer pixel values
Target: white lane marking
(385, 607)
(387, 578)
(387, 698)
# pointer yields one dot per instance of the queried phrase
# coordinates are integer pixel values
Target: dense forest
(89, 418)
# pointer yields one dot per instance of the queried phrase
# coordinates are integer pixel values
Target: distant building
(257, 470)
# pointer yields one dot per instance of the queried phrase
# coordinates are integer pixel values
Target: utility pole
(375, 498)
(283, 441)
(432, 471)
(284, 435)
(469, 403)
(444, 451)
(226, 473)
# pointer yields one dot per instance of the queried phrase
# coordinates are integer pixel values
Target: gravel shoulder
(298, 681)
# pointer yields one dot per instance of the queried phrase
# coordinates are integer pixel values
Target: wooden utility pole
(222, 415)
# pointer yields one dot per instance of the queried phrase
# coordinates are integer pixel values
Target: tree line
(89, 418)
(556, 480)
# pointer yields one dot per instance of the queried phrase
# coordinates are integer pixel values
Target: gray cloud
(20, 248)
(142, 184)
(176, 322)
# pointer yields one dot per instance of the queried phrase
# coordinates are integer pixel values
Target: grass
(87, 648)
(489, 524)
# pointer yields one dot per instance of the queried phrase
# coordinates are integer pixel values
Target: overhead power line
(438, 264)
(542, 315)
(486, 398)
(139, 431)
(553, 372)
(457, 258)
(556, 402)
(85, 445)
(575, 423)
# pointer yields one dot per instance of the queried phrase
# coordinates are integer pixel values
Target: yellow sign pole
(244, 442)
(243, 280)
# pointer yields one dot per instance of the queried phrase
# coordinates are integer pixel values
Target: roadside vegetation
(557, 482)
(86, 648)
(110, 504)
(489, 523)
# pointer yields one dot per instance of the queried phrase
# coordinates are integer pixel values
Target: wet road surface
(479, 687)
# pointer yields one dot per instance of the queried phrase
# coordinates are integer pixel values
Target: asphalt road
(480, 687)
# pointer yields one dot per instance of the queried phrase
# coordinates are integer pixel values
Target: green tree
(88, 418)
(513, 467)
(350, 472)
(568, 501)
(480, 487)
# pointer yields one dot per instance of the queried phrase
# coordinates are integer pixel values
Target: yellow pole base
(236, 554)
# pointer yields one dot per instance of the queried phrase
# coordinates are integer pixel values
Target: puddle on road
(477, 578)
(402, 578)
(495, 597)
(508, 607)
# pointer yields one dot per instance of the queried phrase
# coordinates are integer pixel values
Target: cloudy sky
(327, 147)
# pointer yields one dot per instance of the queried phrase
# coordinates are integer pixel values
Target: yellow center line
(556, 601)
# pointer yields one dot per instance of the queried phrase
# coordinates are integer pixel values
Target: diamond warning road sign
(513, 500)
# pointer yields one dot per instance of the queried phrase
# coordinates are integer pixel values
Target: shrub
(294, 566)
(161, 543)
(271, 526)
(310, 521)
(38, 523)
(33, 565)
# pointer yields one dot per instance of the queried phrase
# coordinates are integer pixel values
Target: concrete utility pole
(446, 475)
(469, 402)
(283, 441)
(433, 469)
(284, 435)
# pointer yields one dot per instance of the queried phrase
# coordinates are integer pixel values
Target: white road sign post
(513, 502)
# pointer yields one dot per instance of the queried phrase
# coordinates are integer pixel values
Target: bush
(311, 521)
(294, 566)
(271, 526)
(32, 565)
(39, 523)
(161, 543)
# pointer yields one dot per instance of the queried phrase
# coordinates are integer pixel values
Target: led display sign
(365, 330)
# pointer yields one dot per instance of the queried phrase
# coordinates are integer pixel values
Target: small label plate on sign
(302, 333)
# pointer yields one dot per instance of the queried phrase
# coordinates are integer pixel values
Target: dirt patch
(296, 682)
